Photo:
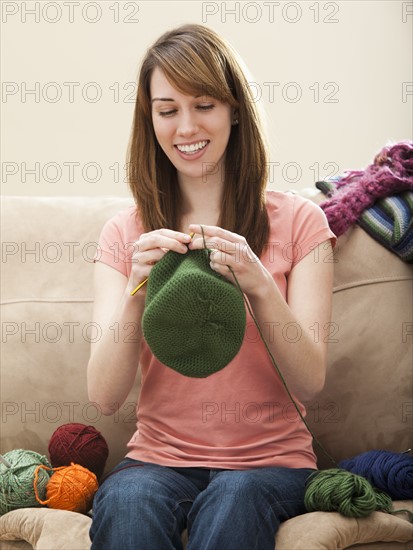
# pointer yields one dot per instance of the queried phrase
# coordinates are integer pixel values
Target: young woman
(225, 456)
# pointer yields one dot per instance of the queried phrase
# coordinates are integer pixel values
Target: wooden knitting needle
(140, 285)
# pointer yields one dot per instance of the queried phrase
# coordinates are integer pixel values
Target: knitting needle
(140, 285)
(5, 462)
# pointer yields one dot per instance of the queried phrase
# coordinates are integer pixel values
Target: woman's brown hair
(197, 61)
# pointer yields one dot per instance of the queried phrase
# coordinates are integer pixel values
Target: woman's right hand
(149, 249)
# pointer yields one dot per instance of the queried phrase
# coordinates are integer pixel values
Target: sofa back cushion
(367, 401)
(47, 298)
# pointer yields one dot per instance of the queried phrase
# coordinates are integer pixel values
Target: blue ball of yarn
(391, 472)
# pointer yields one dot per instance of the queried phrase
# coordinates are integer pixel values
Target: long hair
(197, 61)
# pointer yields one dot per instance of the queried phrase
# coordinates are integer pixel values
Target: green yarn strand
(404, 511)
(384, 501)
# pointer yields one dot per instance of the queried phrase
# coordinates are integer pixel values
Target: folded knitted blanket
(379, 199)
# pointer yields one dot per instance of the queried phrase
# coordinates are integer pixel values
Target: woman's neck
(201, 201)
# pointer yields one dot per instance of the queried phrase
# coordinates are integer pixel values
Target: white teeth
(193, 148)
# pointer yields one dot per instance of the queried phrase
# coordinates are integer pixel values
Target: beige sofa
(47, 251)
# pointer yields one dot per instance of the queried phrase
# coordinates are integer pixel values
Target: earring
(236, 122)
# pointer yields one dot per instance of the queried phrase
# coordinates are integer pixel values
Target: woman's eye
(171, 112)
(167, 113)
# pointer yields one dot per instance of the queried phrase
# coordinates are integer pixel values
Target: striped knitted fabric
(389, 220)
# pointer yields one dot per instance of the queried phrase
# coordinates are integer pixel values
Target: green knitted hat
(194, 319)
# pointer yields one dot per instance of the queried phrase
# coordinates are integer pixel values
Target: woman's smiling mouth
(193, 148)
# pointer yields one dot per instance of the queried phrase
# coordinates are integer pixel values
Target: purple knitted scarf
(390, 173)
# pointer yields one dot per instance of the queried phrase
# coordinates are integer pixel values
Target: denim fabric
(144, 506)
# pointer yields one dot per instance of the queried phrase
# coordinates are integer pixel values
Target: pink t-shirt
(241, 416)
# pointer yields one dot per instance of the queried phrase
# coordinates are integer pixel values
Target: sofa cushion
(333, 531)
(47, 529)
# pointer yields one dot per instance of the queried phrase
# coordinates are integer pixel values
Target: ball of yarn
(391, 472)
(336, 490)
(70, 488)
(80, 444)
(16, 479)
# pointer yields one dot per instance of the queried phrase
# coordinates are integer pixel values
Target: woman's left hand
(230, 250)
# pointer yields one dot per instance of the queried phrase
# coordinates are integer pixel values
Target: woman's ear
(235, 119)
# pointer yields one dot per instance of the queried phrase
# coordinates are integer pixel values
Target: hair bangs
(194, 72)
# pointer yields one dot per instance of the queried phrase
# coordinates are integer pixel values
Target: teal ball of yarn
(337, 490)
(17, 469)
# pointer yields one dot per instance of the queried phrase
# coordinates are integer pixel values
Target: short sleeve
(116, 243)
(310, 228)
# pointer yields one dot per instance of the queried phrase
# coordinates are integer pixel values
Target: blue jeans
(144, 506)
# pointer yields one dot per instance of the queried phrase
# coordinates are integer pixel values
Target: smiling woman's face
(192, 131)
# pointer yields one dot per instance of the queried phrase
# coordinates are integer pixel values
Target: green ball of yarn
(16, 479)
(341, 491)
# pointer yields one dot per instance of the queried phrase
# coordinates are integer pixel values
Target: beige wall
(333, 77)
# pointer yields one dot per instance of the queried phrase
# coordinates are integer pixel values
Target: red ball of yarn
(81, 444)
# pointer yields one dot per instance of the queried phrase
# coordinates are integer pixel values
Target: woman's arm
(114, 357)
(302, 359)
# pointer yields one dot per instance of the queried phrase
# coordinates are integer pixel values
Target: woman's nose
(187, 125)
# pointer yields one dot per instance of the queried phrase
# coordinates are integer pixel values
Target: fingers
(213, 233)
(164, 238)
(152, 247)
(221, 262)
(216, 238)
(233, 247)
(147, 260)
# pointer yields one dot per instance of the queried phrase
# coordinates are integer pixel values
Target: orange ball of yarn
(70, 488)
